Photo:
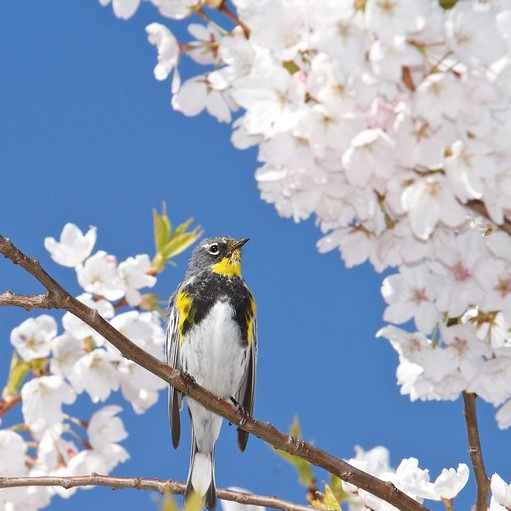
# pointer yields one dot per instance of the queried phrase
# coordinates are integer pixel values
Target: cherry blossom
(106, 428)
(12, 453)
(501, 493)
(33, 338)
(66, 351)
(73, 246)
(43, 398)
(411, 293)
(230, 505)
(134, 274)
(80, 330)
(168, 53)
(139, 386)
(123, 9)
(96, 374)
(450, 482)
(99, 275)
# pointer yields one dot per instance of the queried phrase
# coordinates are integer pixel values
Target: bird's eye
(214, 249)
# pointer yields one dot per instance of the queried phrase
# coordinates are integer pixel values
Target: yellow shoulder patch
(184, 305)
(250, 320)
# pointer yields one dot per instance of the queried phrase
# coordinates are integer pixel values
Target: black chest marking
(202, 294)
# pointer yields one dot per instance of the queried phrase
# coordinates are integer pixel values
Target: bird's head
(220, 254)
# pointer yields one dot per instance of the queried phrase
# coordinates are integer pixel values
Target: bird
(212, 338)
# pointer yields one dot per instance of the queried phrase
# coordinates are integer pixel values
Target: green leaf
(180, 229)
(290, 67)
(303, 467)
(150, 302)
(337, 489)
(179, 244)
(37, 365)
(158, 263)
(448, 4)
(169, 504)
(193, 502)
(162, 228)
(17, 374)
(169, 244)
(326, 501)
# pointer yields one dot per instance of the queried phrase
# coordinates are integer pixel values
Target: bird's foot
(241, 410)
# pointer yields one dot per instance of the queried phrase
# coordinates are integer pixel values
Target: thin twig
(407, 78)
(140, 483)
(478, 207)
(6, 403)
(61, 299)
(231, 16)
(475, 451)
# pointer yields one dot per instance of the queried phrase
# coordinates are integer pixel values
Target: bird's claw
(241, 410)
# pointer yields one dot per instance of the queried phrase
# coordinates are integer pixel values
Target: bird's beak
(236, 245)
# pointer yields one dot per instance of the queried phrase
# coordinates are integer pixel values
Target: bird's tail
(201, 477)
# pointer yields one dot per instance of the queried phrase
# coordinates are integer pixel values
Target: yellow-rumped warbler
(212, 336)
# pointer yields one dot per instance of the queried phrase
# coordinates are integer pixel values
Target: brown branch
(231, 16)
(27, 302)
(406, 75)
(60, 299)
(139, 483)
(6, 403)
(476, 453)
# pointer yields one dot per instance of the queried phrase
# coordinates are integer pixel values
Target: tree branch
(27, 302)
(61, 299)
(139, 483)
(475, 451)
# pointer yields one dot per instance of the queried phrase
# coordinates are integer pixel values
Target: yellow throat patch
(229, 266)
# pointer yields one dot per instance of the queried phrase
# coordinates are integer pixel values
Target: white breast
(212, 352)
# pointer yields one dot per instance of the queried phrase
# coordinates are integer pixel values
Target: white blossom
(168, 53)
(66, 351)
(96, 373)
(198, 94)
(134, 273)
(13, 451)
(80, 330)
(123, 9)
(43, 398)
(503, 416)
(91, 460)
(471, 32)
(139, 386)
(106, 428)
(450, 482)
(414, 481)
(501, 491)
(177, 9)
(73, 246)
(411, 293)
(99, 275)
(230, 505)
(33, 338)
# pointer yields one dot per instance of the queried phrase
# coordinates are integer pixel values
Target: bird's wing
(172, 357)
(246, 396)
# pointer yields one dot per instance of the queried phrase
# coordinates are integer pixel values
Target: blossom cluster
(72, 360)
(415, 482)
(408, 477)
(389, 121)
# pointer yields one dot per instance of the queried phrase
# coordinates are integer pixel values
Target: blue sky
(88, 136)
